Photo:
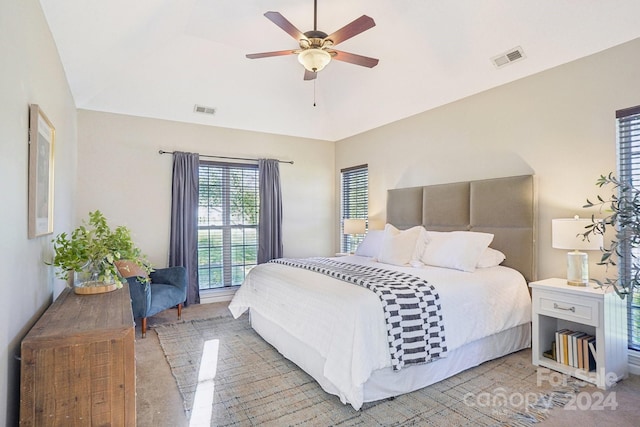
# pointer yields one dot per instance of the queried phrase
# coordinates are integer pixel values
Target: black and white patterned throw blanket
(411, 307)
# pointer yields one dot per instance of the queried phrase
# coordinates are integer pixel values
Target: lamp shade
(354, 226)
(566, 233)
(314, 59)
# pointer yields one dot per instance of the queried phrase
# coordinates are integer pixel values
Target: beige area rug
(255, 385)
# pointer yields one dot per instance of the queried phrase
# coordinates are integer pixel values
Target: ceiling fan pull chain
(314, 92)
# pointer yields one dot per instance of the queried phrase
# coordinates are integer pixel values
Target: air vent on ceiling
(510, 56)
(204, 110)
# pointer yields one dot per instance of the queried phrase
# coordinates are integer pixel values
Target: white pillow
(371, 243)
(399, 247)
(490, 258)
(459, 250)
(421, 244)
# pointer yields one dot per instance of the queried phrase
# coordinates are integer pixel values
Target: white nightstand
(597, 312)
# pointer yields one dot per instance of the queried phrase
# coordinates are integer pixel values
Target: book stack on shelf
(574, 348)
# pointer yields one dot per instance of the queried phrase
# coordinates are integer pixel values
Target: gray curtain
(270, 221)
(183, 243)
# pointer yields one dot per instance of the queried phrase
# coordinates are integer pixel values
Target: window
(227, 223)
(355, 202)
(629, 171)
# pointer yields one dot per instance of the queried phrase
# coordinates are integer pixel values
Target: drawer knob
(557, 307)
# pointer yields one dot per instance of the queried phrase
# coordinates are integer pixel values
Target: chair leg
(144, 327)
(180, 311)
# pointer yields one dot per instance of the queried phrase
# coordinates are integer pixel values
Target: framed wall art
(41, 146)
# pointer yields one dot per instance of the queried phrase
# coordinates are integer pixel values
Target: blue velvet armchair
(167, 288)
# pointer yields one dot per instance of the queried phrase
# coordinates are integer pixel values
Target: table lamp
(354, 226)
(567, 233)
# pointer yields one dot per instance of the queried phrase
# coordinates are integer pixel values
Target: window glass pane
(251, 255)
(210, 197)
(203, 275)
(203, 256)
(238, 275)
(227, 223)
(251, 237)
(251, 246)
(215, 279)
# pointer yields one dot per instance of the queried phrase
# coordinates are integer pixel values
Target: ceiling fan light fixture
(314, 59)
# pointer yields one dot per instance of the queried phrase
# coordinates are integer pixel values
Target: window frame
(354, 202)
(628, 155)
(227, 264)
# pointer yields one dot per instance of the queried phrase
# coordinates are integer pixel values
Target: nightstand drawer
(573, 308)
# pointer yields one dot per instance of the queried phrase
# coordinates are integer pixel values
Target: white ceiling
(158, 58)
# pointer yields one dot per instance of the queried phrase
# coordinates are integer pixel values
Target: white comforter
(345, 324)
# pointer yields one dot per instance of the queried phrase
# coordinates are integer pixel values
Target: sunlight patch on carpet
(203, 399)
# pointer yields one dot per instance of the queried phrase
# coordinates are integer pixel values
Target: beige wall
(30, 72)
(558, 125)
(121, 173)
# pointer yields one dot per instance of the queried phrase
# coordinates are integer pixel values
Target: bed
(336, 331)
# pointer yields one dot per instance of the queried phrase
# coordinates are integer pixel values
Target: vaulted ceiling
(159, 58)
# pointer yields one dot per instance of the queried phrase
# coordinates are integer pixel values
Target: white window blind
(227, 223)
(628, 136)
(355, 202)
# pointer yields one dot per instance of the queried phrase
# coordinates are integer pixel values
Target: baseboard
(217, 295)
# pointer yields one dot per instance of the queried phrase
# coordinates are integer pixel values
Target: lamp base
(575, 283)
(577, 269)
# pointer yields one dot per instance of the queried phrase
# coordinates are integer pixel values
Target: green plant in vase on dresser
(89, 254)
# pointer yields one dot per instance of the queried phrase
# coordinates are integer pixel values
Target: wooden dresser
(78, 363)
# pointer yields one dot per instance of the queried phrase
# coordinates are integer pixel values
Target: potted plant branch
(623, 209)
(90, 254)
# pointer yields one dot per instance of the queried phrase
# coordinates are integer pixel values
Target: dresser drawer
(567, 307)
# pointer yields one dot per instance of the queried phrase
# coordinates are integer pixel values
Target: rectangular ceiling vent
(510, 56)
(204, 110)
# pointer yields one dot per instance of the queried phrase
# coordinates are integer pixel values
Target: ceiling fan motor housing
(315, 39)
(313, 34)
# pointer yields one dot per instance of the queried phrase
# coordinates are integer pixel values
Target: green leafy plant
(623, 216)
(96, 247)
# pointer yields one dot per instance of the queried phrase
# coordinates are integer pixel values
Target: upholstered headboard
(505, 207)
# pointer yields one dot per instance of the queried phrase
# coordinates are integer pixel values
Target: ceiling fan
(316, 47)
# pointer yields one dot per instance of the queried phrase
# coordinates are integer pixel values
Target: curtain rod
(228, 158)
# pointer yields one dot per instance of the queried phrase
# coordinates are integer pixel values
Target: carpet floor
(229, 375)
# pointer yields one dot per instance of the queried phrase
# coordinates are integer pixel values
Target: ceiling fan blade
(283, 23)
(352, 58)
(268, 54)
(352, 29)
(309, 75)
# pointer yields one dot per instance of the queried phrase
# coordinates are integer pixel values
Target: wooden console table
(78, 363)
